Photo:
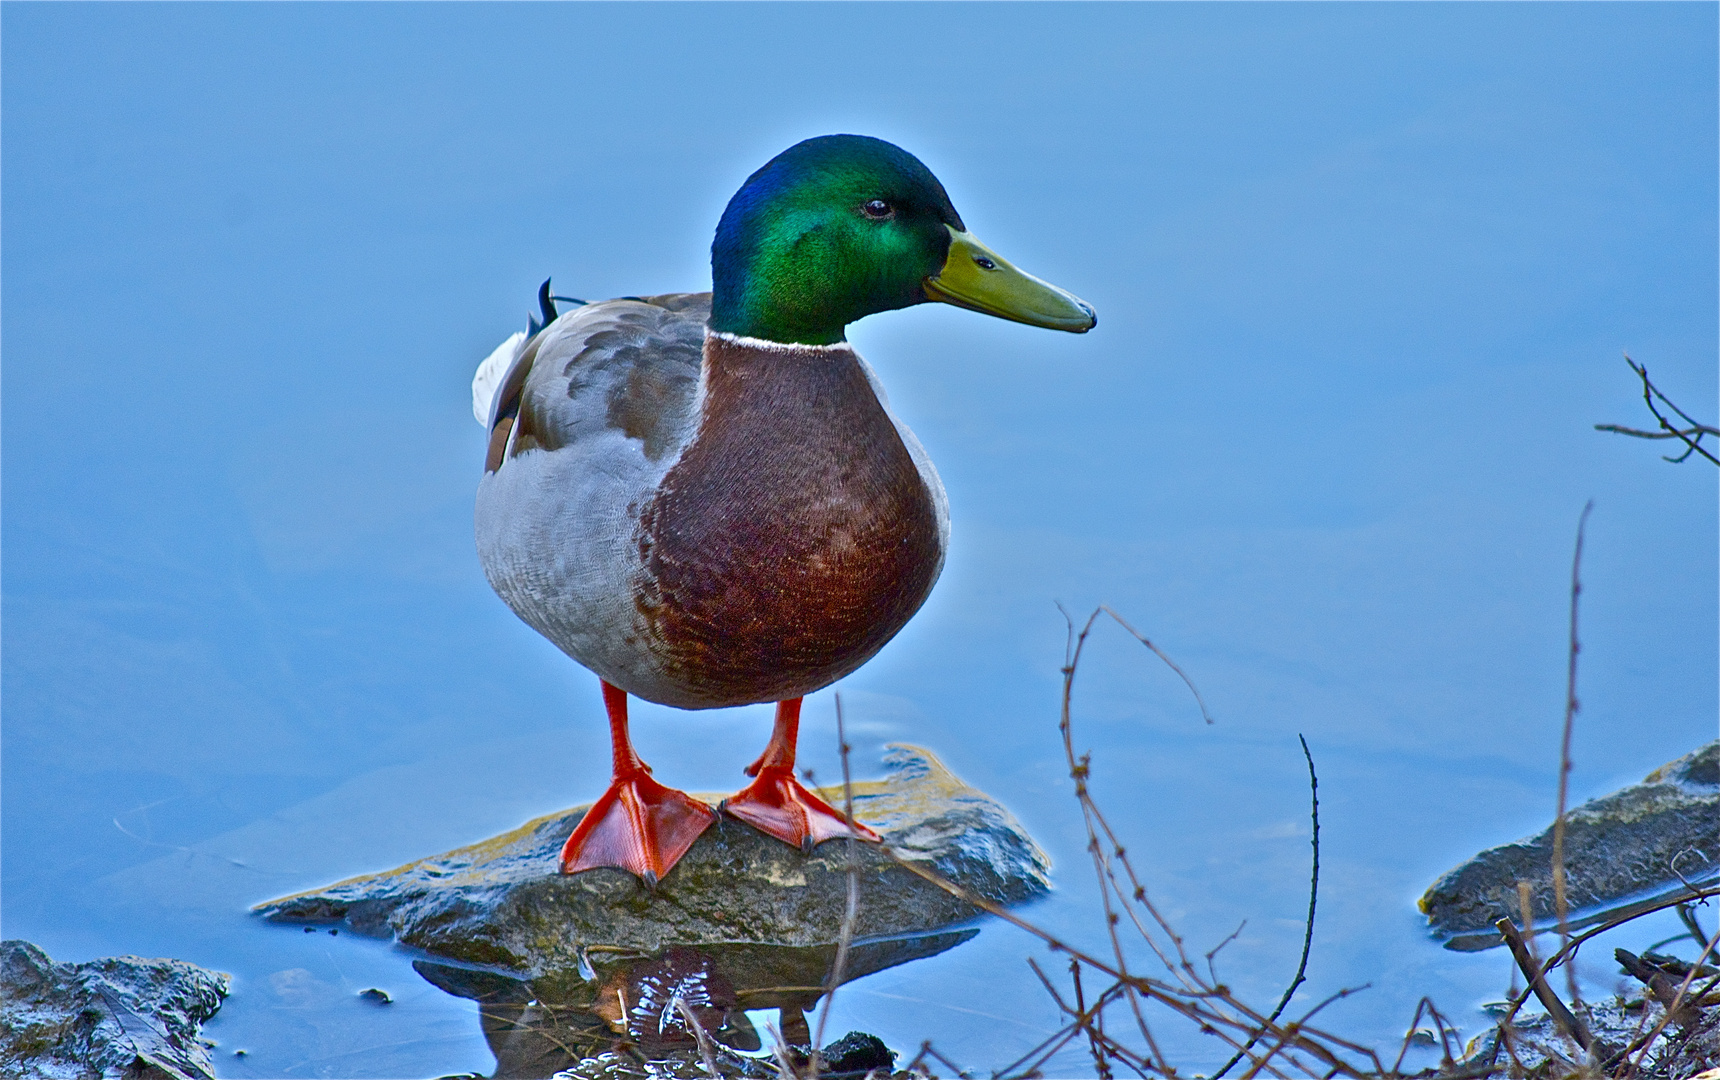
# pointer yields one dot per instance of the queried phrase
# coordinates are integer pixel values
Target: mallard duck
(704, 497)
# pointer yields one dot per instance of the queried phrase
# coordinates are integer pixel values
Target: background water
(1364, 274)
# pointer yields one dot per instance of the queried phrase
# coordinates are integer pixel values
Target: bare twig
(1079, 770)
(1177, 1000)
(850, 913)
(927, 1050)
(1313, 898)
(779, 1050)
(1658, 982)
(1691, 436)
(1672, 1009)
(1562, 1016)
(1615, 922)
(1295, 1049)
(1291, 1048)
(1290, 1030)
(1687, 916)
(1559, 904)
(1160, 653)
(1095, 1042)
(705, 1050)
(1211, 971)
(1700, 429)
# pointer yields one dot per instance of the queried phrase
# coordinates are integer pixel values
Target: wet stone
(116, 1016)
(856, 1053)
(502, 904)
(1622, 851)
(595, 974)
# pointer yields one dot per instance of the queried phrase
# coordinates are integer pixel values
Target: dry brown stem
(1565, 754)
(1269, 1047)
(706, 1051)
(850, 913)
(1567, 1022)
(1291, 1049)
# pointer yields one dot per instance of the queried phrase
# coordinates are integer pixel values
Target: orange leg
(777, 804)
(637, 824)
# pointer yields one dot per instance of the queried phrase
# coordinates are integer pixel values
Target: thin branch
(927, 1048)
(1425, 1005)
(1160, 653)
(1079, 771)
(1295, 1049)
(1532, 971)
(1700, 429)
(1212, 952)
(1171, 997)
(1688, 918)
(779, 1051)
(1082, 1023)
(1313, 899)
(1677, 1000)
(1559, 904)
(850, 913)
(1601, 928)
(1658, 982)
(1691, 436)
(1095, 1044)
(1050, 989)
(705, 1050)
(1290, 1030)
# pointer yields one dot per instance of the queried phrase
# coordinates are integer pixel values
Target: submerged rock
(1637, 841)
(119, 1016)
(503, 904)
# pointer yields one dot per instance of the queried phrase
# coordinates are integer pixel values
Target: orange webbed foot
(637, 825)
(776, 803)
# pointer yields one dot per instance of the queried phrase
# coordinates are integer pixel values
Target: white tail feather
(491, 373)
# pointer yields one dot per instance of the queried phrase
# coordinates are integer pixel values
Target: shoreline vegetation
(1668, 1030)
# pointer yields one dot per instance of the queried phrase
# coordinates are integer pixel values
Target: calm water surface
(1364, 275)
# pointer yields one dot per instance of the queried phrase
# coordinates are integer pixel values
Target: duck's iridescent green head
(839, 227)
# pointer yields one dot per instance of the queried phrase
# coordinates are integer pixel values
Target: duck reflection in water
(625, 1003)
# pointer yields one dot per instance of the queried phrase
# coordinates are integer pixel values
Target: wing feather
(491, 374)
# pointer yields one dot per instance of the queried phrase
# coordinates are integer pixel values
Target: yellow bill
(978, 278)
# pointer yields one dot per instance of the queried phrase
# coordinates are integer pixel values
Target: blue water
(1364, 275)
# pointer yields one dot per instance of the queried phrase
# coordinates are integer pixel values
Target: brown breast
(793, 538)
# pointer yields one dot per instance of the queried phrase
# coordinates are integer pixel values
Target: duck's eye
(877, 209)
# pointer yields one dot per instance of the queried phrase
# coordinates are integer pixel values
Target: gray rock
(1622, 851)
(119, 1016)
(503, 905)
